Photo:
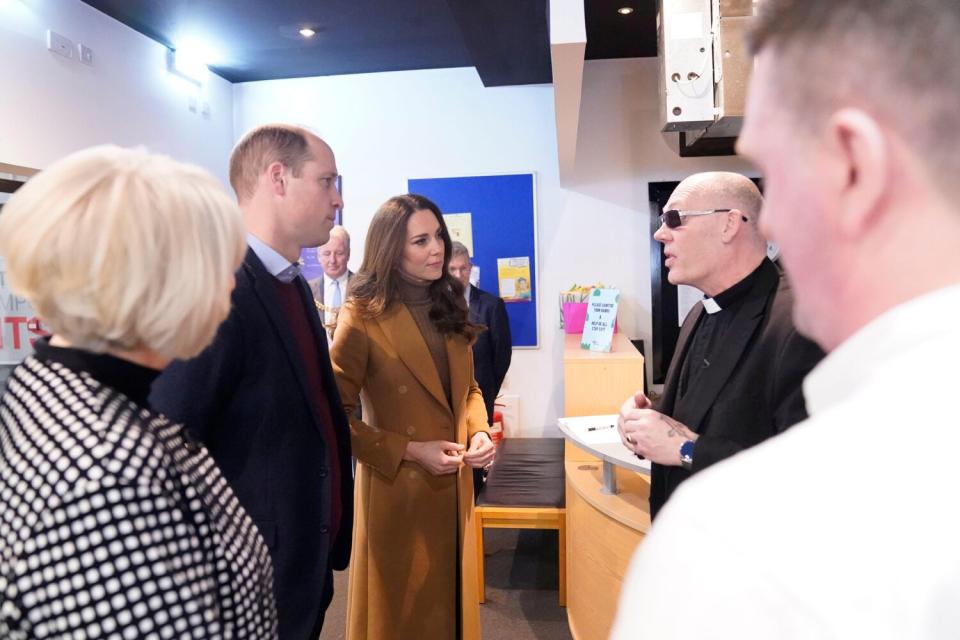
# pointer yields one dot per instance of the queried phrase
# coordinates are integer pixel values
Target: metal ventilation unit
(704, 67)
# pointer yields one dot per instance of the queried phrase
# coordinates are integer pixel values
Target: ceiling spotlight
(307, 32)
(625, 11)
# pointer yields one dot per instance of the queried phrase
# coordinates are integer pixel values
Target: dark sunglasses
(673, 218)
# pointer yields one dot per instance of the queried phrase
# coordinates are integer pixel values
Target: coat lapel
(735, 342)
(263, 287)
(461, 373)
(403, 333)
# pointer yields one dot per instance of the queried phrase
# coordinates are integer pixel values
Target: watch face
(686, 455)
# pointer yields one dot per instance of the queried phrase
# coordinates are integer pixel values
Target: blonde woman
(114, 522)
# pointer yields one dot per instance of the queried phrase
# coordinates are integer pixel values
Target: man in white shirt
(330, 289)
(845, 526)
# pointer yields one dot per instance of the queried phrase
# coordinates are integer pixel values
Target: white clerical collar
(710, 306)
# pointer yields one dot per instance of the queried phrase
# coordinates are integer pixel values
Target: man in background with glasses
(735, 376)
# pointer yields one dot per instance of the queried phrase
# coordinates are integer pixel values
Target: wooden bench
(524, 490)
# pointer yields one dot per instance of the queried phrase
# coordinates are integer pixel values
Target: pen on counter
(606, 426)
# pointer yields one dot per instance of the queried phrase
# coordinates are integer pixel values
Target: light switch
(59, 44)
(85, 53)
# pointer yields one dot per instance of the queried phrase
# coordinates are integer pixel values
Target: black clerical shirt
(708, 337)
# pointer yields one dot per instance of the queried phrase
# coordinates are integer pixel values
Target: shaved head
(724, 190)
(718, 241)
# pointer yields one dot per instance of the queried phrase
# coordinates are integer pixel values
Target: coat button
(323, 472)
(402, 388)
(411, 430)
(324, 529)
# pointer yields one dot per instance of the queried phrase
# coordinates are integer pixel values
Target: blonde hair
(120, 249)
(339, 231)
(260, 147)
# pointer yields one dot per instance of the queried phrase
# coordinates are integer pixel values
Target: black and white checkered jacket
(113, 523)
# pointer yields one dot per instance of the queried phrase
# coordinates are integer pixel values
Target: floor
(522, 597)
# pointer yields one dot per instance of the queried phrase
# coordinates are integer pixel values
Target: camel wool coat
(414, 537)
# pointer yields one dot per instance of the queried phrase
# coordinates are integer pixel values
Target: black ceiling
(506, 40)
(612, 35)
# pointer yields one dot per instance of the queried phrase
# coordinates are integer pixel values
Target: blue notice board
(503, 210)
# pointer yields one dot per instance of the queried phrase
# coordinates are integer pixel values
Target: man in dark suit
(735, 378)
(493, 348)
(331, 288)
(262, 397)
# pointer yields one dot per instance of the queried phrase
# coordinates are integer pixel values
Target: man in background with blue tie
(330, 289)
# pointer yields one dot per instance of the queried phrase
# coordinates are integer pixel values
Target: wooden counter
(597, 383)
(602, 530)
(602, 533)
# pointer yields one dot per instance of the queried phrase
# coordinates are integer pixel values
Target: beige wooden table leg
(562, 530)
(481, 583)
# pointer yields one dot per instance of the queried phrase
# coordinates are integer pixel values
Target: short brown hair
(263, 145)
(459, 250)
(896, 59)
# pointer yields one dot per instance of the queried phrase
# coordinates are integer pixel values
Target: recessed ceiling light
(305, 32)
(625, 11)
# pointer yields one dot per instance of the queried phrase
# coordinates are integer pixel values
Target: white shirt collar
(887, 337)
(342, 279)
(328, 288)
(275, 264)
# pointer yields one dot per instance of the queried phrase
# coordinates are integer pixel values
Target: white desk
(600, 443)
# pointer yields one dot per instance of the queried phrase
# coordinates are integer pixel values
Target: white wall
(387, 127)
(51, 106)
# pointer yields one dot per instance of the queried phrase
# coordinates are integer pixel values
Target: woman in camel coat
(403, 339)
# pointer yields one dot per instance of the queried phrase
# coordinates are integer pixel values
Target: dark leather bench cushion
(528, 472)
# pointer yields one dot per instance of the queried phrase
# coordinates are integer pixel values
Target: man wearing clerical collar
(735, 376)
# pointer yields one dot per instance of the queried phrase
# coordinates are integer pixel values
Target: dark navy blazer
(493, 348)
(246, 397)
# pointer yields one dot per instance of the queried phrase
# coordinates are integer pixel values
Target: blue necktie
(335, 303)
